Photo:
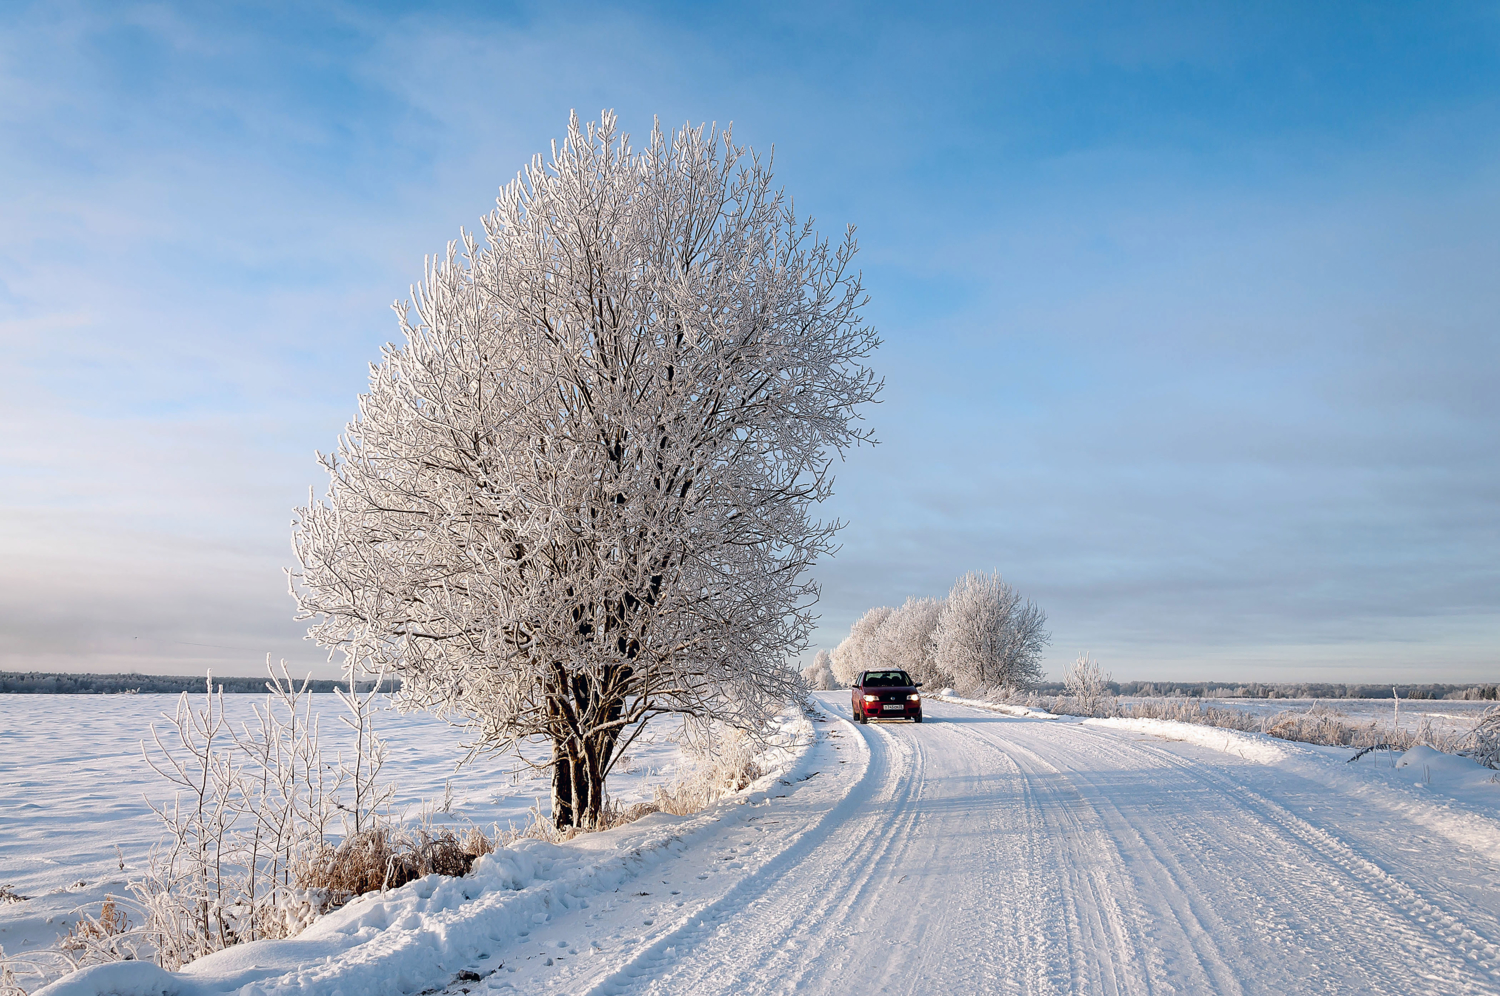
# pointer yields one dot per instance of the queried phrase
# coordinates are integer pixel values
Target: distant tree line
(43, 683)
(1480, 692)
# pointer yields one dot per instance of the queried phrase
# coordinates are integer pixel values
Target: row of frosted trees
(985, 635)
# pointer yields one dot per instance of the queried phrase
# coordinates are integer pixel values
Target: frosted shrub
(1180, 710)
(1318, 724)
(92, 940)
(1088, 685)
(9, 984)
(233, 823)
(250, 819)
(1323, 724)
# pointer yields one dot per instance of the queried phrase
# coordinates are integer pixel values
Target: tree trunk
(562, 786)
(578, 768)
(580, 760)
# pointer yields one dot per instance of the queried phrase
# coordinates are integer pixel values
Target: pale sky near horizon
(1189, 310)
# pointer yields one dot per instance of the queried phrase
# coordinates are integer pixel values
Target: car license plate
(895, 707)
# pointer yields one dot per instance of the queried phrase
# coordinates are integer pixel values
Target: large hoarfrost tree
(988, 635)
(579, 494)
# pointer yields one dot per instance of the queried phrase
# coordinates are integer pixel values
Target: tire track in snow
(1326, 915)
(837, 917)
(662, 961)
(789, 949)
(1477, 957)
(1102, 915)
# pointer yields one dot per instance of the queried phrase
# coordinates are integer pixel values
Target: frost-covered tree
(578, 495)
(988, 636)
(819, 674)
(904, 640)
(856, 652)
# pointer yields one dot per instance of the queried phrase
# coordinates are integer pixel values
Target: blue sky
(1190, 311)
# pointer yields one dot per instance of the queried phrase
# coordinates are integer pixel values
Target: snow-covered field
(74, 784)
(977, 852)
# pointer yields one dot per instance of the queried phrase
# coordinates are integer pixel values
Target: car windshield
(886, 679)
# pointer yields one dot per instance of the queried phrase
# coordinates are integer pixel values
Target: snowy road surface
(975, 853)
(980, 853)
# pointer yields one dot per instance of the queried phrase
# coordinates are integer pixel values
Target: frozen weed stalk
(9, 984)
(1485, 737)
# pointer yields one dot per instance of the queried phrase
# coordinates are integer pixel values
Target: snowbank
(1456, 773)
(427, 930)
(1255, 747)
(1002, 707)
(122, 978)
(402, 941)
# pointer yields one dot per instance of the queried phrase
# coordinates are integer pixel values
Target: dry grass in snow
(1321, 724)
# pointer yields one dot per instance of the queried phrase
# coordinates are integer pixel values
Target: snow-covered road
(980, 853)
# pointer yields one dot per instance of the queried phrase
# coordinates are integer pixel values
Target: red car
(886, 695)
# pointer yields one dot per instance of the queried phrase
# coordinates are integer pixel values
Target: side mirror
(917, 685)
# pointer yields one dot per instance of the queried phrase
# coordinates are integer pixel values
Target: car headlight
(914, 697)
(872, 698)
